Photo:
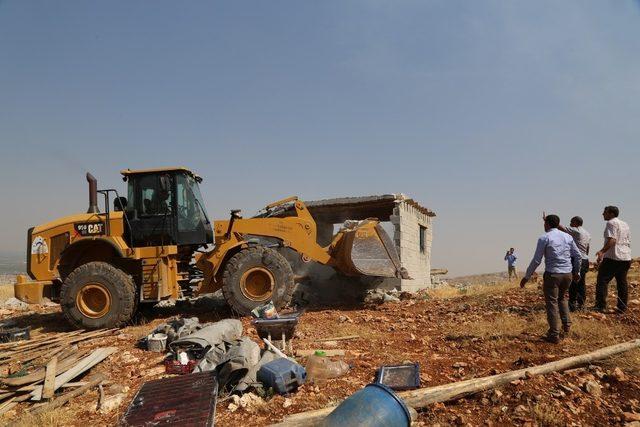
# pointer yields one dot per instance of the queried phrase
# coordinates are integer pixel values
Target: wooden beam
(49, 378)
(344, 338)
(55, 403)
(427, 396)
(330, 353)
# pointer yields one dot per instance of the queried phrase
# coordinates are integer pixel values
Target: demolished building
(411, 225)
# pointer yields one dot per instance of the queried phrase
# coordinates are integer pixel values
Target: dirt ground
(453, 333)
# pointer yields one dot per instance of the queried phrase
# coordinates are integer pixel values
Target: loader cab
(165, 207)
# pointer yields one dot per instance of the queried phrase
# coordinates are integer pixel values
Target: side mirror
(119, 204)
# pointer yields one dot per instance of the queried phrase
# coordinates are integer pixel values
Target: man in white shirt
(614, 260)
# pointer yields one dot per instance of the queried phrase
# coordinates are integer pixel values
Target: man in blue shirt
(511, 258)
(562, 264)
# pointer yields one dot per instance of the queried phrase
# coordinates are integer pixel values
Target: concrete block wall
(407, 220)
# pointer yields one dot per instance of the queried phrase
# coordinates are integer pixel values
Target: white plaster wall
(407, 221)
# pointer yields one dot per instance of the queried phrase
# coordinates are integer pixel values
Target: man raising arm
(562, 258)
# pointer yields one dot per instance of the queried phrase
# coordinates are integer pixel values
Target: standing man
(578, 290)
(562, 264)
(511, 258)
(614, 260)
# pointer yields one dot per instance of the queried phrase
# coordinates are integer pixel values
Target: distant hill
(12, 262)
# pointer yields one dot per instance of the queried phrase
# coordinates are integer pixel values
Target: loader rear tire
(254, 276)
(98, 295)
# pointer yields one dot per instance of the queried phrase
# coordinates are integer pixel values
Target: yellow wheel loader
(158, 243)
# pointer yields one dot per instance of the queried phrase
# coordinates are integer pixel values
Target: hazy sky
(487, 112)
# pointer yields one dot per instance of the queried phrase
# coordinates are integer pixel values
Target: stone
(566, 388)
(232, 407)
(496, 396)
(344, 318)
(14, 303)
(520, 410)
(166, 303)
(631, 416)
(48, 303)
(111, 403)
(117, 388)
(593, 388)
(459, 365)
(618, 375)
(287, 403)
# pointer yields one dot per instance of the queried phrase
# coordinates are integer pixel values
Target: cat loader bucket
(363, 248)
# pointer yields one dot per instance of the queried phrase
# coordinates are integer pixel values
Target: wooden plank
(28, 345)
(346, 337)
(8, 405)
(67, 337)
(330, 353)
(49, 378)
(39, 352)
(38, 375)
(82, 366)
(55, 403)
(426, 396)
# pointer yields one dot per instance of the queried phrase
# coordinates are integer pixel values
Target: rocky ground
(453, 333)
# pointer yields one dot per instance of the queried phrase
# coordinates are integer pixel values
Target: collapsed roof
(338, 210)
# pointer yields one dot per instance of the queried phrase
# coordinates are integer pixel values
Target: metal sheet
(187, 400)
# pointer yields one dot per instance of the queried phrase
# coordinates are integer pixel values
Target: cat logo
(89, 228)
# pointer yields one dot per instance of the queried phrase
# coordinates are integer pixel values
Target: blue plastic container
(376, 405)
(283, 375)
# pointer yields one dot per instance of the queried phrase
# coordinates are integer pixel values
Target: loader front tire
(254, 276)
(98, 295)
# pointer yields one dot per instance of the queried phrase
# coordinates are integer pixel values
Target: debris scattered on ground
(42, 366)
(15, 304)
(463, 335)
(378, 296)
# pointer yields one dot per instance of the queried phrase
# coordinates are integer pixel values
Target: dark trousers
(578, 290)
(609, 269)
(555, 286)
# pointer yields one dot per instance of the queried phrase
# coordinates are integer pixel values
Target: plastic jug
(319, 367)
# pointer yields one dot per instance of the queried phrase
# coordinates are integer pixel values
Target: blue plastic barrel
(376, 405)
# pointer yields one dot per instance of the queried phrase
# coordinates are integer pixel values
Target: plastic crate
(173, 366)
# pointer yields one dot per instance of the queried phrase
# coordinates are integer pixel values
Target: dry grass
(445, 292)
(629, 362)
(55, 418)
(503, 325)
(546, 415)
(6, 292)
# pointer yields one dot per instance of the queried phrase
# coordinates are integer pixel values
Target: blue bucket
(376, 405)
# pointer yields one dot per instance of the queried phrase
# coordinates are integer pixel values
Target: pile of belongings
(217, 346)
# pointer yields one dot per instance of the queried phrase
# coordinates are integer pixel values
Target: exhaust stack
(93, 194)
